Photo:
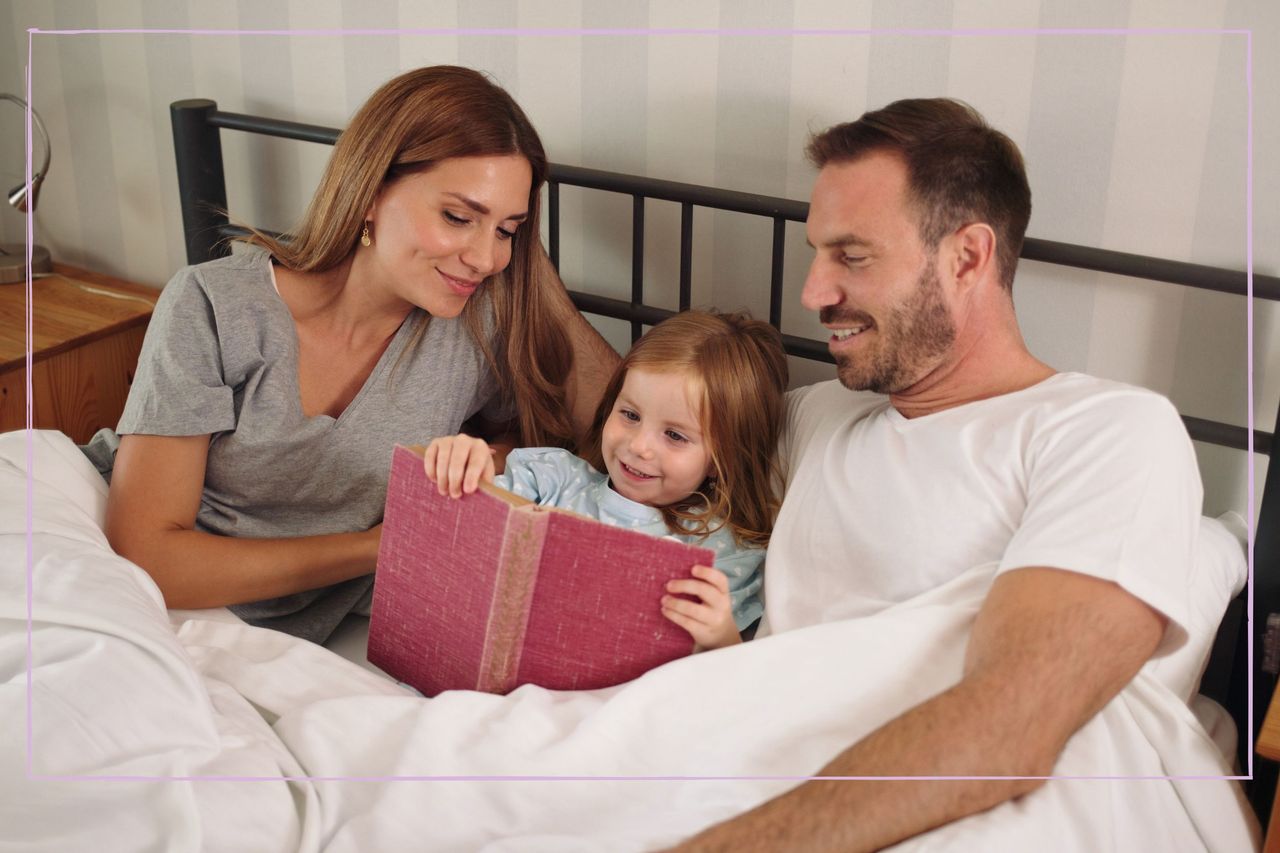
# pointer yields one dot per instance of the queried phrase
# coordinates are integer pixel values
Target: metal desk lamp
(13, 256)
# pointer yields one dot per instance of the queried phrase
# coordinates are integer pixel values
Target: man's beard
(915, 334)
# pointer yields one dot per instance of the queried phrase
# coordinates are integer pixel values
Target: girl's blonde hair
(739, 373)
(409, 125)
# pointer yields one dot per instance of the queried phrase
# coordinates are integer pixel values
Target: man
(1078, 496)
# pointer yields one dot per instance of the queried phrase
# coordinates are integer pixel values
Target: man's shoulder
(1077, 416)
(1073, 384)
(1080, 395)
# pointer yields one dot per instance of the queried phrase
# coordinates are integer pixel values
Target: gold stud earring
(364, 236)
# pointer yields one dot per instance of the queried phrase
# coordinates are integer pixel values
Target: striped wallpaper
(1134, 140)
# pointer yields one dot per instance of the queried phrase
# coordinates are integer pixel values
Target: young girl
(686, 435)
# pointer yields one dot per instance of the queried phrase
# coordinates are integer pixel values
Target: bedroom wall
(1133, 142)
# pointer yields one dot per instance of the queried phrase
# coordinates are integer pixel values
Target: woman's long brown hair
(409, 125)
(739, 366)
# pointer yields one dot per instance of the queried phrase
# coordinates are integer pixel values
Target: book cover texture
(475, 593)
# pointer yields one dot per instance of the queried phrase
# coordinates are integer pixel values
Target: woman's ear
(371, 214)
(367, 223)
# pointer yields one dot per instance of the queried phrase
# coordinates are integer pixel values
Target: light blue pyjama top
(550, 476)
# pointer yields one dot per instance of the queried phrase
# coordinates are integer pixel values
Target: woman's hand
(709, 620)
(457, 464)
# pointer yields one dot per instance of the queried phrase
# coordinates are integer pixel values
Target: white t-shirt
(1073, 473)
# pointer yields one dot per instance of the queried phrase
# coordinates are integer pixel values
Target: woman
(413, 297)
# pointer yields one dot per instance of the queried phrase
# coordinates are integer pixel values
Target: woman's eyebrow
(483, 210)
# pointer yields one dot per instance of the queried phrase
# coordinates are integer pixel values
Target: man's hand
(709, 620)
(457, 464)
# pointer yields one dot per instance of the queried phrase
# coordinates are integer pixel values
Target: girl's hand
(709, 620)
(457, 464)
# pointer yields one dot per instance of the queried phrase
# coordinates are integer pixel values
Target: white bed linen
(119, 690)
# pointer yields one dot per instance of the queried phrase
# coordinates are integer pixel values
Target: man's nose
(820, 289)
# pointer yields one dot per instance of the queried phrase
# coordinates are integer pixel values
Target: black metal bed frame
(202, 186)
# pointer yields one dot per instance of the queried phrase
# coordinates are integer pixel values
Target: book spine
(517, 574)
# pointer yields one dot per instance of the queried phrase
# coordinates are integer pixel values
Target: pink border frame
(951, 33)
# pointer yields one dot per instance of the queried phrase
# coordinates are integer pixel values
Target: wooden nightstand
(87, 332)
(1268, 746)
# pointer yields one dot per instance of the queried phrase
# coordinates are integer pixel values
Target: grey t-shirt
(221, 357)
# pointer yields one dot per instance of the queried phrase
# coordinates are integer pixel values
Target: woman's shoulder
(245, 265)
(249, 265)
(219, 285)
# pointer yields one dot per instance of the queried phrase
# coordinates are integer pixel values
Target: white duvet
(118, 691)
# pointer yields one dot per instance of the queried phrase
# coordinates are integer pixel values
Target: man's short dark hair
(959, 168)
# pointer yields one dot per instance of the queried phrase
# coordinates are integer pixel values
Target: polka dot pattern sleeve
(545, 475)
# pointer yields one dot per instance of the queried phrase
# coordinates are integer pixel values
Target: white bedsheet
(119, 691)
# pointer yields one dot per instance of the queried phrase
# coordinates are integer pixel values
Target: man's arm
(1048, 650)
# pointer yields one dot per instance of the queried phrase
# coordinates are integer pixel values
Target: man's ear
(973, 254)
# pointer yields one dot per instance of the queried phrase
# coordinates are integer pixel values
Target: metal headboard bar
(1155, 269)
(686, 254)
(637, 260)
(266, 126)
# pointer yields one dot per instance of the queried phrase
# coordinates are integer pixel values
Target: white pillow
(1221, 570)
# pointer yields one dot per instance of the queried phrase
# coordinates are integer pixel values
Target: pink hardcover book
(489, 591)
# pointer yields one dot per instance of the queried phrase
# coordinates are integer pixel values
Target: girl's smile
(652, 442)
